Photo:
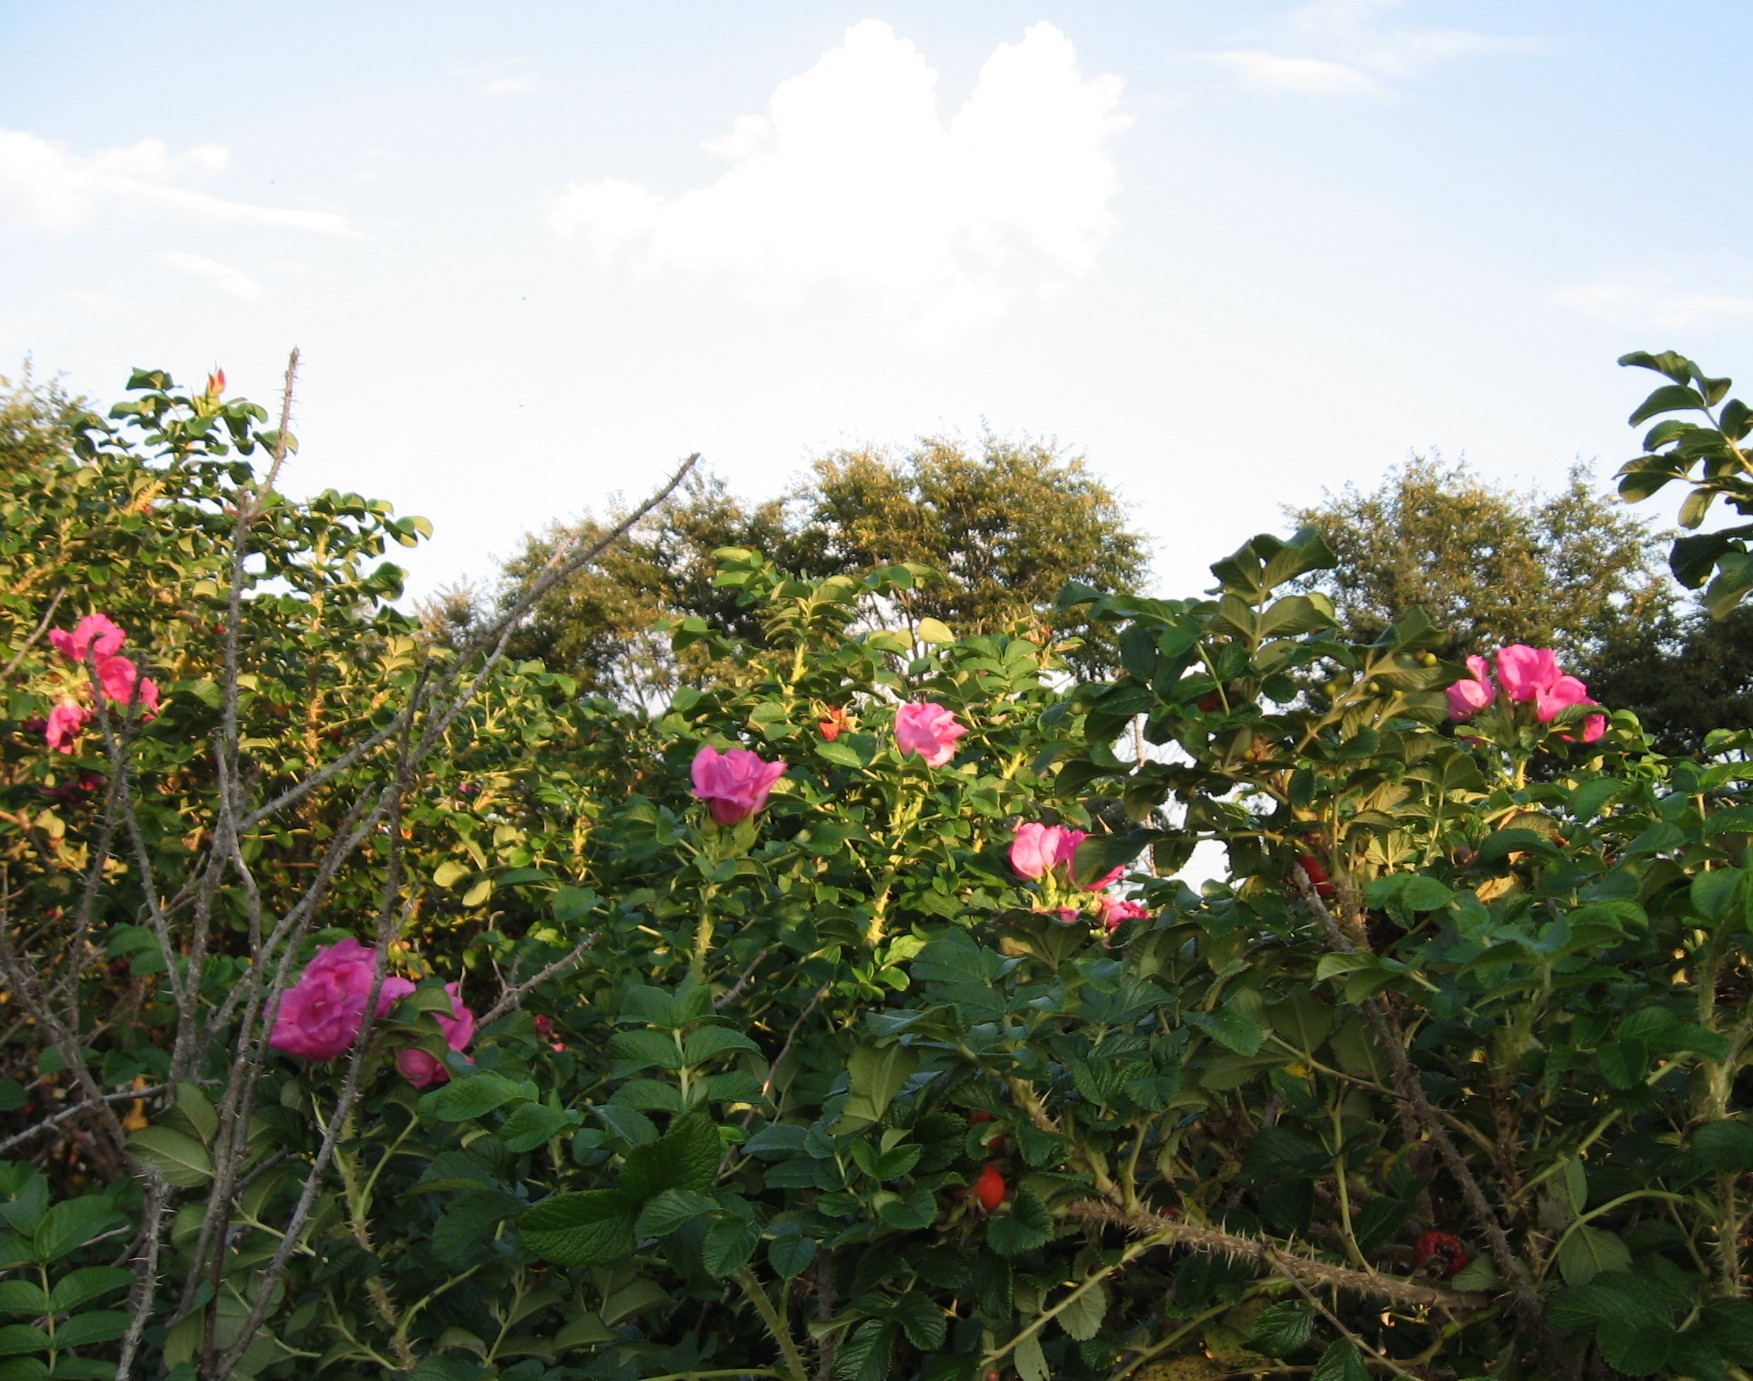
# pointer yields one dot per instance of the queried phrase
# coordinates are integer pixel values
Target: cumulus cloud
(1348, 48)
(1653, 301)
(852, 176)
(46, 186)
(210, 271)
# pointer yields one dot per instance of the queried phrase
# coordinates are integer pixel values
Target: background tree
(1571, 570)
(1007, 524)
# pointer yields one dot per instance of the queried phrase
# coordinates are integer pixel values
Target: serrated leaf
(25, 1297)
(684, 1157)
(593, 1227)
(92, 1326)
(1230, 1028)
(180, 1160)
(80, 1287)
(468, 1217)
(708, 1041)
(1031, 1361)
(462, 1100)
(1340, 1362)
(875, 1077)
(1587, 1251)
(22, 1337)
(1282, 1328)
(532, 1124)
(1725, 1146)
(1024, 1227)
(668, 1210)
(790, 1255)
(728, 1246)
(1082, 1317)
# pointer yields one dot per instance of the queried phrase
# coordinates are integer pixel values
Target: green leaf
(180, 1160)
(707, 1041)
(593, 1227)
(24, 1369)
(1623, 1063)
(25, 1297)
(93, 1326)
(532, 1124)
(1725, 1146)
(1668, 398)
(932, 630)
(684, 1157)
(1587, 1251)
(1282, 1329)
(864, 1356)
(670, 1208)
(469, 1217)
(790, 1255)
(22, 1337)
(74, 1222)
(728, 1246)
(875, 1077)
(840, 754)
(1231, 1028)
(922, 1319)
(1024, 1227)
(80, 1287)
(1340, 1362)
(1676, 366)
(1031, 1361)
(1082, 1317)
(464, 1099)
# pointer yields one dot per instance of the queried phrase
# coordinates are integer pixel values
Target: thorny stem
(794, 1365)
(1411, 1090)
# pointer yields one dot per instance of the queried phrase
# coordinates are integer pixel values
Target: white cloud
(1305, 76)
(853, 177)
(505, 78)
(45, 186)
(211, 271)
(1342, 48)
(520, 85)
(1652, 300)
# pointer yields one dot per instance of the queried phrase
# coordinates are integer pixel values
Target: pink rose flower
(117, 676)
(735, 783)
(1564, 692)
(1467, 698)
(66, 721)
(1115, 912)
(928, 730)
(94, 632)
(320, 1015)
(422, 1069)
(1036, 848)
(1524, 671)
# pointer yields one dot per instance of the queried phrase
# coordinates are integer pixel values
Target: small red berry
(979, 1115)
(1211, 701)
(989, 1188)
(1439, 1254)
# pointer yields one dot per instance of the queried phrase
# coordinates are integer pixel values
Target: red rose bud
(216, 383)
(1439, 1254)
(1316, 874)
(989, 1189)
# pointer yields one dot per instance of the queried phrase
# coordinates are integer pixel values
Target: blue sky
(1233, 253)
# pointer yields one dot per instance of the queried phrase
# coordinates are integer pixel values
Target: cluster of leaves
(1707, 455)
(1445, 1081)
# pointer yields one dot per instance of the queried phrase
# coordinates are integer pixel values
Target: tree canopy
(1005, 523)
(1570, 570)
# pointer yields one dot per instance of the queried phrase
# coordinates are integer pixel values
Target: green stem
(794, 1367)
(1046, 1316)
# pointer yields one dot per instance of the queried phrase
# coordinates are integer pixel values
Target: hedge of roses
(376, 1010)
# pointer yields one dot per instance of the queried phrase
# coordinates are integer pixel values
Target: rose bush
(1444, 1079)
